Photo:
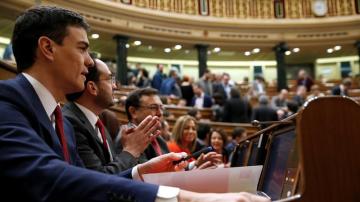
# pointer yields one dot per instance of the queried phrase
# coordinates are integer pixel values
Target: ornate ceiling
(159, 29)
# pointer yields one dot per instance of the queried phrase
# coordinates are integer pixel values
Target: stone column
(202, 58)
(121, 61)
(357, 45)
(280, 50)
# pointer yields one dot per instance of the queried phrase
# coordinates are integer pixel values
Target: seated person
(39, 161)
(93, 141)
(315, 92)
(165, 130)
(184, 140)
(194, 112)
(203, 131)
(300, 96)
(237, 109)
(343, 88)
(237, 135)
(200, 99)
(218, 141)
(264, 112)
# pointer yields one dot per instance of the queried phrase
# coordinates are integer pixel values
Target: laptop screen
(275, 170)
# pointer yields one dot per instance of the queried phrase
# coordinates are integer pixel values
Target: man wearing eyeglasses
(146, 102)
(140, 104)
(38, 158)
(92, 139)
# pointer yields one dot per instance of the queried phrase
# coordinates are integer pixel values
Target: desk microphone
(195, 155)
(257, 123)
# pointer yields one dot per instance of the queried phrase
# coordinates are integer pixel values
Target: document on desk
(219, 180)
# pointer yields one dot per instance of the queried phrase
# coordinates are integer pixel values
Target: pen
(195, 154)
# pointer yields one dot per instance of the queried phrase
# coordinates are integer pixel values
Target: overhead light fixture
(287, 52)
(95, 36)
(127, 45)
(295, 50)
(217, 49)
(137, 43)
(167, 50)
(330, 50)
(4, 40)
(256, 50)
(337, 48)
(247, 53)
(177, 47)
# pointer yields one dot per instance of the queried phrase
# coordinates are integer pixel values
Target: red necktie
(101, 127)
(59, 128)
(156, 147)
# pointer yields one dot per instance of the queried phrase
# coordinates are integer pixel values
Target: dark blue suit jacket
(207, 101)
(31, 161)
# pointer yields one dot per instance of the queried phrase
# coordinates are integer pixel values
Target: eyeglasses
(154, 107)
(112, 79)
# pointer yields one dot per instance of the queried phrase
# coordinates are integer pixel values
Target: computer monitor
(281, 145)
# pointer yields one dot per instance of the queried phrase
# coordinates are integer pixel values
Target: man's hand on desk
(163, 163)
(185, 196)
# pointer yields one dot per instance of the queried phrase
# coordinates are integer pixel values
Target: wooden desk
(7, 70)
(227, 127)
(206, 113)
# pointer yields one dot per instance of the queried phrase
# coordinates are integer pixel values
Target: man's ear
(92, 88)
(132, 111)
(46, 47)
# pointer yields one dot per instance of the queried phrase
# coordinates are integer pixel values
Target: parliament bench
(176, 111)
(227, 127)
(7, 70)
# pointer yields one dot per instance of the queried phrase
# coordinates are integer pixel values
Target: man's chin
(76, 89)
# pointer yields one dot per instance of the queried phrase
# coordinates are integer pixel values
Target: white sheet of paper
(220, 180)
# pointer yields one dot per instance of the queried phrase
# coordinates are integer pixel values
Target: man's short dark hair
(133, 99)
(92, 75)
(234, 93)
(237, 132)
(40, 21)
(203, 130)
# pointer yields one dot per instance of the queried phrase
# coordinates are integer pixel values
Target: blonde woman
(184, 135)
(183, 140)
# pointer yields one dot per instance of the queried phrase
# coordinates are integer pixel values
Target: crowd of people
(71, 154)
(46, 156)
(228, 99)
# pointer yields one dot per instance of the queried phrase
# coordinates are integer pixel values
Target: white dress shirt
(164, 194)
(199, 101)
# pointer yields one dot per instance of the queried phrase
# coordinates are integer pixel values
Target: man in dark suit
(140, 104)
(223, 88)
(200, 100)
(38, 158)
(95, 146)
(38, 154)
(237, 109)
(343, 88)
(264, 112)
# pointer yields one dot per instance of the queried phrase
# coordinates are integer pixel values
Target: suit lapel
(86, 123)
(38, 111)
